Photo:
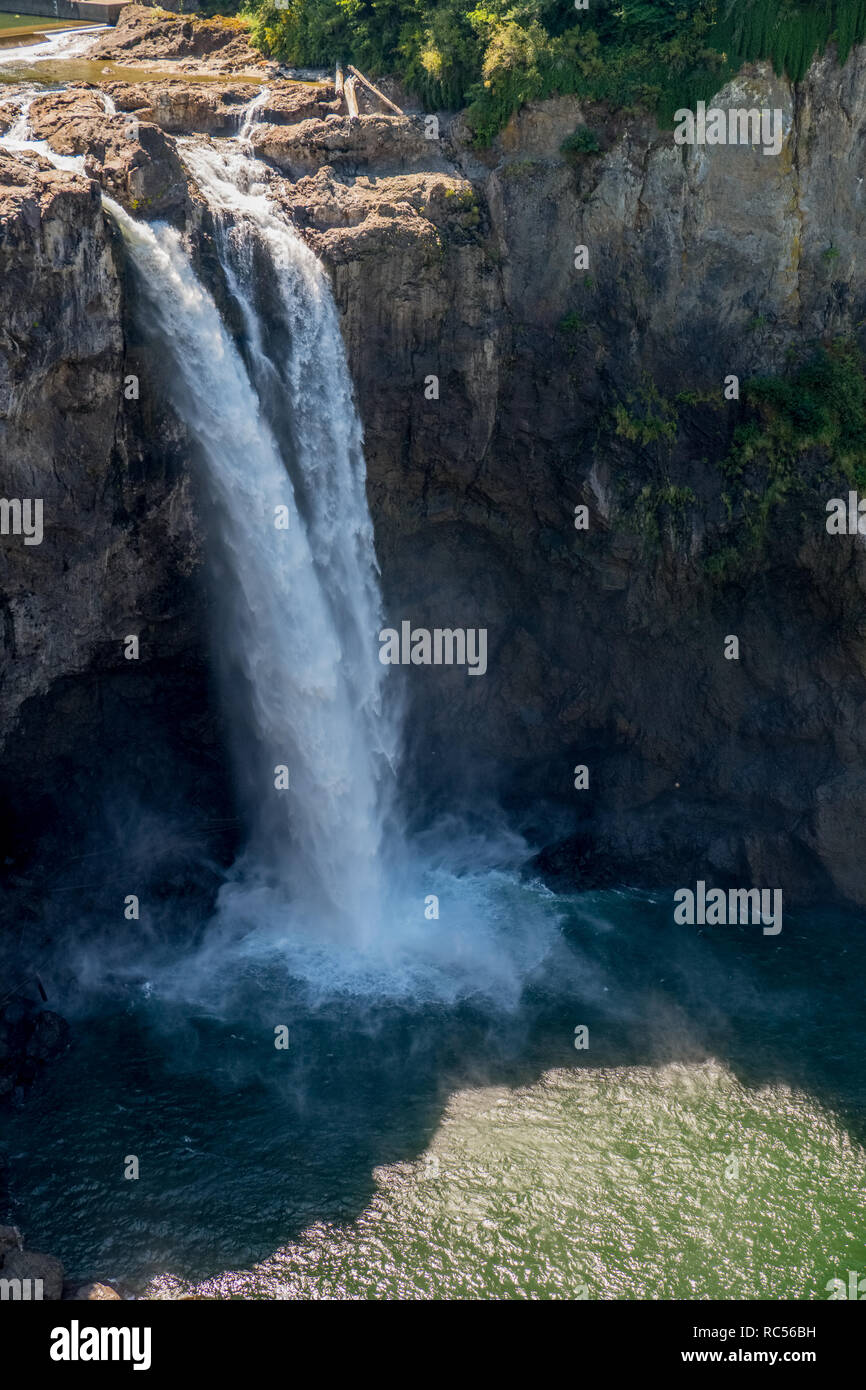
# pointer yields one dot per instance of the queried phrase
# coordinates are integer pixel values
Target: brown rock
(132, 159)
(291, 102)
(184, 107)
(146, 35)
(94, 1293)
(386, 144)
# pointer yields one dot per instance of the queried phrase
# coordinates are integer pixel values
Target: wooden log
(375, 90)
(338, 81)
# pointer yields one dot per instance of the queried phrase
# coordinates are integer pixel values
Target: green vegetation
(583, 142)
(797, 437)
(661, 507)
(800, 433)
(491, 56)
(647, 417)
(820, 407)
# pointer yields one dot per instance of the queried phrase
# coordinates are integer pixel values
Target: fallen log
(375, 90)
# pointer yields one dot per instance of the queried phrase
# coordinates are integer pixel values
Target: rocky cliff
(558, 386)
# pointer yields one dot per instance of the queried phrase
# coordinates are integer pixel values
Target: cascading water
(296, 594)
(325, 884)
(554, 1171)
(299, 690)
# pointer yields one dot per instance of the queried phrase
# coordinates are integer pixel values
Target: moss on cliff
(798, 437)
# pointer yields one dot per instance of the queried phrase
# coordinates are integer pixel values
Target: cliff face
(82, 433)
(556, 387)
(608, 650)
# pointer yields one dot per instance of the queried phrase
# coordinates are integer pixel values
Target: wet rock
(10, 1239)
(121, 553)
(96, 1293)
(28, 1264)
(134, 161)
(290, 102)
(180, 107)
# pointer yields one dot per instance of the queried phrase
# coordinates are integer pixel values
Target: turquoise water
(708, 1144)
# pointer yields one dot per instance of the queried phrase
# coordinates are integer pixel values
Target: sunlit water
(707, 1144)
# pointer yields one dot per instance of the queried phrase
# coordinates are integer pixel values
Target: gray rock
(28, 1264)
(10, 1239)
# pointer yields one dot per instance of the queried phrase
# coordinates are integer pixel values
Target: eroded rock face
(132, 159)
(603, 651)
(85, 434)
(216, 45)
(381, 144)
(459, 266)
(182, 107)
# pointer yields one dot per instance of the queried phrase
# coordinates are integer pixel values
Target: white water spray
(297, 606)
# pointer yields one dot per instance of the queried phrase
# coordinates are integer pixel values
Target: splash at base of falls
(326, 895)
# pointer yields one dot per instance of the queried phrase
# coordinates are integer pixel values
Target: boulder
(386, 144)
(152, 36)
(184, 107)
(132, 159)
(28, 1264)
(10, 1239)
(96, 1293)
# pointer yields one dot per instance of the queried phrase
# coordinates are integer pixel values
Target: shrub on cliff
(494, 55)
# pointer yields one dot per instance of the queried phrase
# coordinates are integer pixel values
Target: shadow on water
(242, 1147)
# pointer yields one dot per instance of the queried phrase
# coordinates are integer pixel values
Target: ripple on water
(640, 1182)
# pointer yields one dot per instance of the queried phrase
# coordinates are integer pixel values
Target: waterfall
(293, 569)
(324, 888)
(251, 115)
(297, 604)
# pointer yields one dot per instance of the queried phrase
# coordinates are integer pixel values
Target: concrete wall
(89, 11)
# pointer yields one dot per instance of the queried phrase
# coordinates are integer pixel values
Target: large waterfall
(295, 591)
(325, 886)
